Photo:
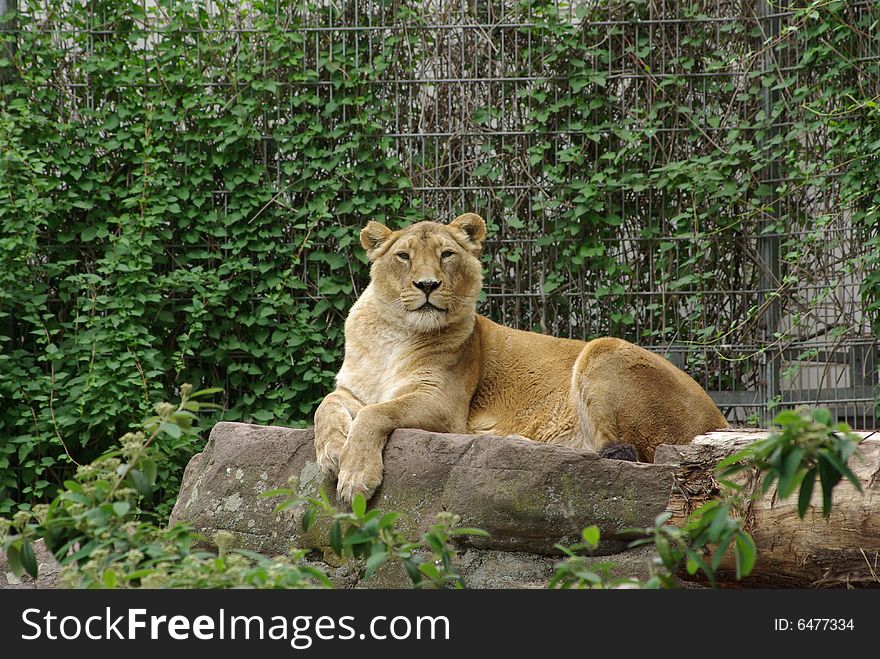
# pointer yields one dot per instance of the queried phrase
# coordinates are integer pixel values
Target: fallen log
(843, 550)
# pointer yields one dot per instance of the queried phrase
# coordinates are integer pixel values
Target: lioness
(418, 356)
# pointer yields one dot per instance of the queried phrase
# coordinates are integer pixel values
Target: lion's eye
(403, 256)
(447, 253)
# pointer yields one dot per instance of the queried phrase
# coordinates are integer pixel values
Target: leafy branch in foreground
(714, 525)
(374, 537)
(700, 545)
(807, 445)
(102, 532)
(576, 571)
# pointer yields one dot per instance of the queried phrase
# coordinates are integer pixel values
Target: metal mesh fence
(515, 110)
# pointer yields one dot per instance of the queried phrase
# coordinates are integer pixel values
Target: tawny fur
(446, 369)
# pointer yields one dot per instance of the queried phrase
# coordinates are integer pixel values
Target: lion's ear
(473, 226)
(373, 236)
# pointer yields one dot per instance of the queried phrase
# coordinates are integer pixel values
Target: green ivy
(184, 215)
(671, 144)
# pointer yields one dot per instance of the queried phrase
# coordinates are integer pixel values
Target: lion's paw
(328, 459)
(358, 475)
(351, 484)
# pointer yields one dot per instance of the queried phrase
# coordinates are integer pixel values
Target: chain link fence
(603, 142)
(469, 104)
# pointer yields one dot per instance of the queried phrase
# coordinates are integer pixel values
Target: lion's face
(428, 274)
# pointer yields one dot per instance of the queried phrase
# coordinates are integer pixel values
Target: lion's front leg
(360, 465)
(333, 420)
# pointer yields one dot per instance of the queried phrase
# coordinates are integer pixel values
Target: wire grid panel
(491, 110)
(466, 103)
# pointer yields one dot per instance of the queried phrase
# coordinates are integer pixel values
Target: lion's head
(428, 274)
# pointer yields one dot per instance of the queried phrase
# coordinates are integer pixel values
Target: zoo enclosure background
(182, 185)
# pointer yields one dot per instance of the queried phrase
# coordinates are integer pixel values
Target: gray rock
(491, 568)
(487, 568)
(480, 568)
(668, 454)
(528, 496)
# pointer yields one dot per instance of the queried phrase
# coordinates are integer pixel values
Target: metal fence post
(768, 240)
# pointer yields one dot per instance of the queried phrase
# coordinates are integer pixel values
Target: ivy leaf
(140, 482)
(109, 578)
(149, 469)
(806, 492)
(411, 565)
(206, 392)
(171, 429)
(13, 556)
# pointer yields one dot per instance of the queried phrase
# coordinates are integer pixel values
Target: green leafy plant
(806, 443)
(577, 572)
(235, 568)
(178, 230)
(374, 537)
(104, 537)
(700, 545)
(809, 446)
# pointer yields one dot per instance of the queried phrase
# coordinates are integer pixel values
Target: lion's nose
(427, 286)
